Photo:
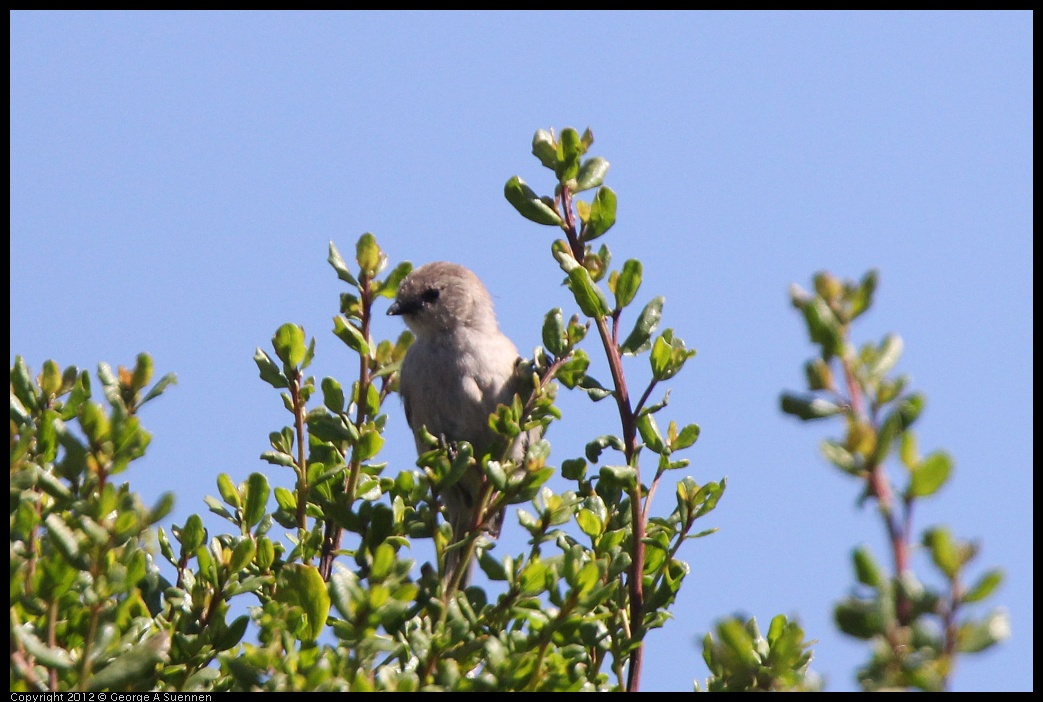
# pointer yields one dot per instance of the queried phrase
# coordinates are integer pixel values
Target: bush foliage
(335, 602)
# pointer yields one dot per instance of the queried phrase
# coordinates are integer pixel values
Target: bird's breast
(451, 388)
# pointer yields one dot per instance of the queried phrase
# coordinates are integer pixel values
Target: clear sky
(176, 179)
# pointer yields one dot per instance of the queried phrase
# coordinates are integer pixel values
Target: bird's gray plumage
(458, 369)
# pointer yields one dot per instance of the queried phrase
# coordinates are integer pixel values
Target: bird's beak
(407, 306)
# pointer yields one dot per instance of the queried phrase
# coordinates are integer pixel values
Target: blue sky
(176, 179)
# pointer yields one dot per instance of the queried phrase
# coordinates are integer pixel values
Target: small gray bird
(458, 369)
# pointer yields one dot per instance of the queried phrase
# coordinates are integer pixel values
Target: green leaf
(95, 423)
(554, 332)
(301, 585)
(944, 550)
(628, 283)
(129, 668)
(383, 562)
(984, 587)
(285, 499)
(81, 392)
(545, 149)
(890, 388)
(64, 540)
(588, 295)
(862, 298)
(395, 277)
(897, 421)
(372, 400)
(685, 494)
(887, 356)
(346, 332)
(595, 447)
(459, 465)
(162, 508)
(370, 258)
(332, 395)
(570, 149)
(226, 488)
(278, 458)
(22, 384)
(161, 385)
(668, 355)
(686, 437)
(576, 331)
(776, 628)
(597, 263)
(841, 457)
(973, 637)
(639, 338)
(582, 210)
(908, 451)
(660, 358)
(192, 535)
(165, 548)
(707, 497)
(529, 204)
(328, 427)
(589, 523)
(906, 413)
(50, 379)
(591, 174)
(930, 475)
(491, 566)
(265, 553)
(572, 145)
(827, 286)
(866, 568)
(646, 425)
(909, 410)
(818, 374)
(808, 407)
(50, 656)
(573, 468)
(625, 476)
(231, 636)
(496, 473)
(257, 492)
(46, 435)
(738, 641)
(563, 255)
(217, 508)
(142, 374)
(587, 578)
(594, 389)
(370, 443)
(69, 376)
(337, 261)
(532, 578)
(242, 553)
(602, 214)
(823, 327)
(20, 415)
(289, 344)
(858, 618)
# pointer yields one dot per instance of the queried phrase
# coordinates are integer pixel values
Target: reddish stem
(629, 426)
(879, 487)
(333, 533)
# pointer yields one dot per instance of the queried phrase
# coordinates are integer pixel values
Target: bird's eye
(430, 295)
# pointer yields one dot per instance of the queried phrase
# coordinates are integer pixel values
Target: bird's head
(442, 297)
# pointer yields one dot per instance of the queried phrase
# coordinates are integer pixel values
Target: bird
(459, 367)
